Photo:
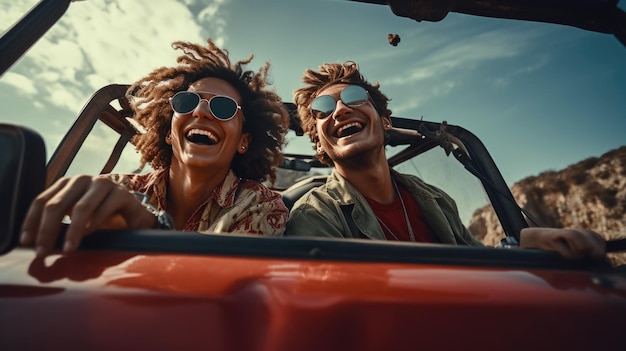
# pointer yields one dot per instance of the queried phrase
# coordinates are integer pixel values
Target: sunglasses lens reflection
(323, 106)
(222, 107)
(352, 96)
(185, 102)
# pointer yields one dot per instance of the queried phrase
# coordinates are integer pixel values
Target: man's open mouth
(349, 129)
(203, 137)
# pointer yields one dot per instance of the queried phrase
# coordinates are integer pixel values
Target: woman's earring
(243, 147)
(319, 149)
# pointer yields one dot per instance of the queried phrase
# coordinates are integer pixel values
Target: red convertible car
(164, 290)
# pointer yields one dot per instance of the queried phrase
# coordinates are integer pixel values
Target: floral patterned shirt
(235, 206)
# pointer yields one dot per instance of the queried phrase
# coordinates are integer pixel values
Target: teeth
(206, 133)
(349, 125)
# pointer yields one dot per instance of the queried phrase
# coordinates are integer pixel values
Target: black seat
(22, 177)
(294, 192)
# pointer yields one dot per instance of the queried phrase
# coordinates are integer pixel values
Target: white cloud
(210, 11)
(99, 42)
(441, 69)
(467, 53)
(415, 75)
(539, 63)
(19, 82)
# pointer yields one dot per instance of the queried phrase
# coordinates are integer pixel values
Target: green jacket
(320, 212)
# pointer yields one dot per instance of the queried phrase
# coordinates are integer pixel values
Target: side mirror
(22, 177)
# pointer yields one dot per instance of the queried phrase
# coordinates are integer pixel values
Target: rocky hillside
(589, 194)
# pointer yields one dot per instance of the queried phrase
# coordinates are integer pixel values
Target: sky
(540, 96)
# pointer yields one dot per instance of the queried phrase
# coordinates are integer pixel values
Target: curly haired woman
(213, 133)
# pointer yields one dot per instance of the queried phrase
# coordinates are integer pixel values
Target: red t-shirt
(394, 222)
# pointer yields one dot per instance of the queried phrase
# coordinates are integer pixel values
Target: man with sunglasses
(214, 132)
(346, 118)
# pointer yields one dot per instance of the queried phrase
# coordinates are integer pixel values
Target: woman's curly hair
(329, 74)
(266, 119)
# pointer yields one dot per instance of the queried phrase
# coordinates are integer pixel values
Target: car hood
(104, 300)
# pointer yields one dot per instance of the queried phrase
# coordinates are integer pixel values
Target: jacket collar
(342, 191)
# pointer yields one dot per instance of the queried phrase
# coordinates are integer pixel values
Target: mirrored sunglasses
(352, 96)
(222, 107)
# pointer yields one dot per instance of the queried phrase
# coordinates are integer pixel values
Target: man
(346, 117)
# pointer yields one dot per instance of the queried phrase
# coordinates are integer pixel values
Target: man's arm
(569, 243)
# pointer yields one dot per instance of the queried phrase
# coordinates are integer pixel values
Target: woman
(213, 133)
